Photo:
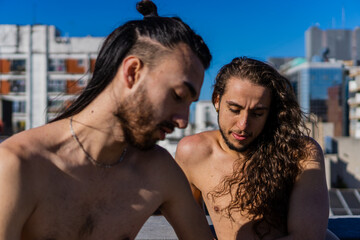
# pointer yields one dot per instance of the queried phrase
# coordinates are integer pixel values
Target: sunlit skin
(57, 193)
(242, 113)
(161, 109)
(207, 157)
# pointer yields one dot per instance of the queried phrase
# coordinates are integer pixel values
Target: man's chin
(238, 148)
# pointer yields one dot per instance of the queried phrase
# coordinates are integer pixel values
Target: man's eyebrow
(192, 90)
(258, 107)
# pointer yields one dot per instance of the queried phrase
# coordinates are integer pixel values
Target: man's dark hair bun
(147, 8)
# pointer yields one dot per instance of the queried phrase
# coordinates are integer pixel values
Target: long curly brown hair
(261, 184)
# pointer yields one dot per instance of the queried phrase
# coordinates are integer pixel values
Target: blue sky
(231, 28)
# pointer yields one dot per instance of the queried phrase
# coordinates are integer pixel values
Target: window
(81, 63)
(17, 86)
(54, 106)
(56, 65)
(17, 65)
(56, 86)
(19, 107)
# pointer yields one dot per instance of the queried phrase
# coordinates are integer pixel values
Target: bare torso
(206, 167)
(92, 203)
(62, 198)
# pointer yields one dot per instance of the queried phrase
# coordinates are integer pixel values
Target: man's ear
(131, 67)
(217, 103)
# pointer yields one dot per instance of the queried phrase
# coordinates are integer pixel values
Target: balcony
(13, 87)
(12, 66)
(72, 66)
(17, 87)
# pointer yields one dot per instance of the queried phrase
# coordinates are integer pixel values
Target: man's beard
(137, 119)
(228, 143)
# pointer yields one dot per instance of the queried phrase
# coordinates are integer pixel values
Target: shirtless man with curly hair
(260, 175)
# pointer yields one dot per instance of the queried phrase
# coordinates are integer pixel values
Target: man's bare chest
(86, 209)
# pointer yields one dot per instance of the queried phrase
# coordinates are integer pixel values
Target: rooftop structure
(340, 44)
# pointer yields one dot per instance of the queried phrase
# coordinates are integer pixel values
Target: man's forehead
(240, 90)
(240, 84)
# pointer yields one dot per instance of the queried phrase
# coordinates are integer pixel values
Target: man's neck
(98, 133)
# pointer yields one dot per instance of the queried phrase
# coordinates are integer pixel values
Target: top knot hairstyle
(148, 39)
(147, 8)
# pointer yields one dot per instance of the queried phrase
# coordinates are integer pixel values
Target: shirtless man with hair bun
(95, 171)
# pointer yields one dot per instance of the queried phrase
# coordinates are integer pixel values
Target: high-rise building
(311, 81)
(339, 44)
(313, 42)
(40, 71)
(356, 50)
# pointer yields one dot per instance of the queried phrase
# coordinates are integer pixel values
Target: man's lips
(165, 130)
(239, 137)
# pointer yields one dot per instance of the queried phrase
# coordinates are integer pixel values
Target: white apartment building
(40, 71)
(205, 117)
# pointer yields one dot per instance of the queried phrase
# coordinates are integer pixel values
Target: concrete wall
(346, 165)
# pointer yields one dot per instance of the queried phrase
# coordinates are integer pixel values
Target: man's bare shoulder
(15, 166)
(9, 159)
(28, 148)
(17, 154)
(314, 156)
(198, 145)
(17, 146)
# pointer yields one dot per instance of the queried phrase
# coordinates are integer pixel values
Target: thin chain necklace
(88, 156)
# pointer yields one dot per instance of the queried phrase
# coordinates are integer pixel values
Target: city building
(277, 62)
(205, 117)
(337, 110)
(354, 102)
(340, 44)
(40, 72)
(311, 82)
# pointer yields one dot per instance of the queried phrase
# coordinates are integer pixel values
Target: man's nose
(243, 120)
(181, 120)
